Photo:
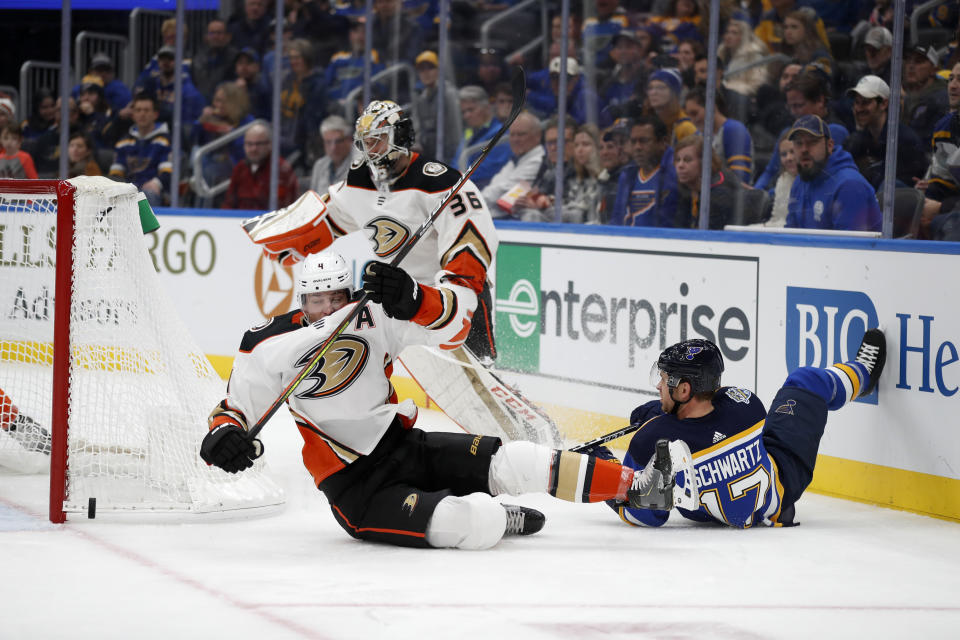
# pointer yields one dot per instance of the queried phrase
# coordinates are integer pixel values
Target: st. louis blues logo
(787, 408)
(692, 352)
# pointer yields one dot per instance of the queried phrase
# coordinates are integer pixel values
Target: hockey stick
(613, 435)
(519, 87)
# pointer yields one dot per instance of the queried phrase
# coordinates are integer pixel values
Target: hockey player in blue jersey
(751, 465)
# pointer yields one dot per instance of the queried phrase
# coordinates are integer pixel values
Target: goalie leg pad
(475, 521)
(521, 467)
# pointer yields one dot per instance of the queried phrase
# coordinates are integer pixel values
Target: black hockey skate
(872, 354)
(523, 521)
(652, 487)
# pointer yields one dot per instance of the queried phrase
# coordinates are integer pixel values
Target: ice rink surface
(849, 571)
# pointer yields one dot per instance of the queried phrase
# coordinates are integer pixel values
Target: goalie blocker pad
(289, 234)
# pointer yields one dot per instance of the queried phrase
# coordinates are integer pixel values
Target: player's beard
(811, 172)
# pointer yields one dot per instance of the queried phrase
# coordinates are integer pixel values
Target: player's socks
(580, 478)
(521, 467)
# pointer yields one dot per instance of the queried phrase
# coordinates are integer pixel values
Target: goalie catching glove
(227, 447)
(393, 288)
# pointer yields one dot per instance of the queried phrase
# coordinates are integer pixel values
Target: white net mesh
(140, 388)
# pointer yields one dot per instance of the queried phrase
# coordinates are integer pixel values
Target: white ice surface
(849, 571)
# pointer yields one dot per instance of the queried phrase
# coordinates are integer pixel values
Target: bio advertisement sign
(602, 316)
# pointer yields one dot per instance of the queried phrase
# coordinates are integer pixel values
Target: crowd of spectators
(799, 128)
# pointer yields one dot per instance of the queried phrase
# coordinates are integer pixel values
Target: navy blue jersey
(738, 481)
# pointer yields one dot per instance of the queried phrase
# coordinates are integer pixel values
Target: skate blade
(685, 491)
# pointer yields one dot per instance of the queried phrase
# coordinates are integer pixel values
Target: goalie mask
(324, 272)
(697, 362)
(384, 133)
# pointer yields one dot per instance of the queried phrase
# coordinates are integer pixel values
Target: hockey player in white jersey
(389, 192)
(384, 479)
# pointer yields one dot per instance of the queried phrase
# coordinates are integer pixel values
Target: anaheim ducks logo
(338, 368)
(410, 503)
(388, 235)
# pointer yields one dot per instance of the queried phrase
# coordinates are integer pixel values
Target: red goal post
(112, 373)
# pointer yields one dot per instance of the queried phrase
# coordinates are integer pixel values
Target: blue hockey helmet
(697, 362)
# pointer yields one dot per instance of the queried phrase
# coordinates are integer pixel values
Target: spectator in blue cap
(247, 67)
(829, 192)
(925, 101)
(663, 99)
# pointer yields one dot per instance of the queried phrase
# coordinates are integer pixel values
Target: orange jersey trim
(318, 456)
(400, 532)
(438, 307)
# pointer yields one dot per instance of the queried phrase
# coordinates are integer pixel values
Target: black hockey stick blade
(519, 87)
(613, 435)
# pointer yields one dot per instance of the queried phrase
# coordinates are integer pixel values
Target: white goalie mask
(383, 133)
(324, 272)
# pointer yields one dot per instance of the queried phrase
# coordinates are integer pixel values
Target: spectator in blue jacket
(345, 71)
(117, 94)
(925, 102)
(161, 86)
(731, 139)
(647, 189)
(628, 77)
(143, 157)
(247, 68)
(249, 27)
(303, 103)
(580, 98)
(479, 125)
(809, 94)
(829, 192)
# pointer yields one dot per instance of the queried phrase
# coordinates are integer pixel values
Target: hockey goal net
(101, 382)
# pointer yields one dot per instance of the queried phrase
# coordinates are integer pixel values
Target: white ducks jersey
(462, 241)
(344, 406)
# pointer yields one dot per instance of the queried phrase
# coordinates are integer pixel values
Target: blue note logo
(825, 326)
(692, 352)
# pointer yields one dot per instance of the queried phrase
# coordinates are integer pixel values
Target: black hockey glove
(393, 288)
(227, 447)
(600, 451)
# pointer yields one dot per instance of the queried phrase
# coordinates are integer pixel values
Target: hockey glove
(393, 288)
(600, 451)
(227, 447)
(29, 434)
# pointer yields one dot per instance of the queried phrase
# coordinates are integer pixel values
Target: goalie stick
(613, 435)
(476, 398)
(519, 88)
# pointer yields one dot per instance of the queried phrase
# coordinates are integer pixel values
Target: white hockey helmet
(383, 133)
(324, 272)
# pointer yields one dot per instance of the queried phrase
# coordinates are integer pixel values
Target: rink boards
(582, 313)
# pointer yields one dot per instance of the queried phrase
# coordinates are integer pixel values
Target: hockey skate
(523, 521)
(667, 481)
(872, 354)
